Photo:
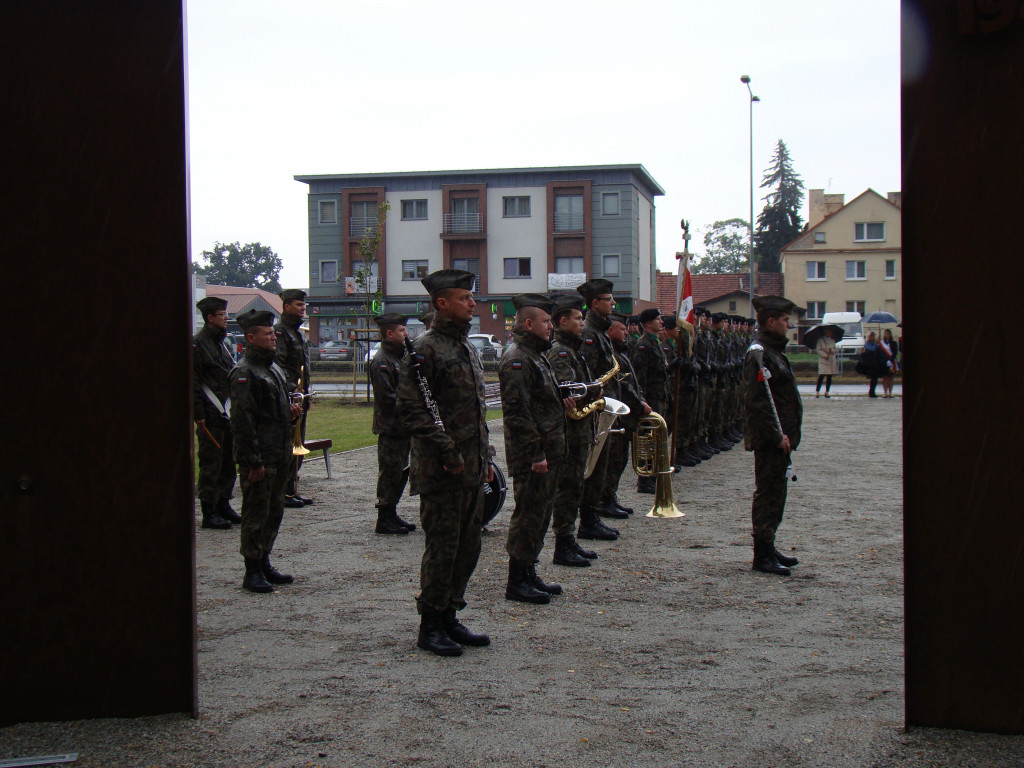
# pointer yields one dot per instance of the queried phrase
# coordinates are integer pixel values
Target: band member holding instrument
(533, 412)
(630, 394)
(566, 359)
(772, 430)
(293, 357)
(651, 368)
(261, 424)
(450, 458)
(211, 363)
(392, 438)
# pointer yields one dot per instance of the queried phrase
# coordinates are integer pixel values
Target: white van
(852, 342)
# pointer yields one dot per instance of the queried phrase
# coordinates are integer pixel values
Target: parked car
(335, 350)
(368, 355)
(488, 345)
(236, 344)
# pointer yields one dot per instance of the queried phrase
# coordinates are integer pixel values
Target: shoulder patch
(588, 341)
(383, 366)
(517, 365)
(420, 358)
(563, 353)
(640, 346)
(242, 380)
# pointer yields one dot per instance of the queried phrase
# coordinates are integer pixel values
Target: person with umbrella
(889, 356)
(821, 337)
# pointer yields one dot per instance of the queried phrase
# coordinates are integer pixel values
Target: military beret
(566, 303)
(255, 317)
(390, 318)
(649, 314)
(618, 317)
(670, 321)
(448, 278)
(718, 317)
(211, 304)
(632, 320)
(773, 304)
(538, 300)
(597, 287)
(292, 294)
(427, 317)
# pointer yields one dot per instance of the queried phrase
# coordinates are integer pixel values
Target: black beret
(255, 317)
(670, 321)
(597, 287)
(618, 317)
(649, 314)
(538, 300)
(632, 320)
(566, 303)
(773, 304)
(427, 317)
(718, 317)
(211, 304)
(448, 278)
(292, 294)
(390, 318)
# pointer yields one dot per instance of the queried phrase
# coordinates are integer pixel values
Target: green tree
(779, 222)
(725, 248)
(249, 266)
(363, 271)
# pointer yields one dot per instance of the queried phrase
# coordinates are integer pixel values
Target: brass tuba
(651, 458)
(612, 409)
(598, 405)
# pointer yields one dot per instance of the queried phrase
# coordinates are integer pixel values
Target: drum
(494, 494)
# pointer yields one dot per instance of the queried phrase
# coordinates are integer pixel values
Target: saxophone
(598, 405)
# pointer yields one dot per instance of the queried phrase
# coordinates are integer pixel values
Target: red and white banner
(684, 289)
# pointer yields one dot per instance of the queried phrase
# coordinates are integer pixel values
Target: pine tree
(779, 222)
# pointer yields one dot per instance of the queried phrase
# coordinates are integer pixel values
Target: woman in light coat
(828, 365)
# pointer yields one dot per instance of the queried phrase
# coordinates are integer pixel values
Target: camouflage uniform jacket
(261, 421)
(629, 388)
(384, 369)
(451, 366)
(293, 352)
(686, 366)
(566, 358)
(760, 430)
(533, 411)
(598, 351)
(720, 353)
(648, 360)
(702, 358)
(211, 363)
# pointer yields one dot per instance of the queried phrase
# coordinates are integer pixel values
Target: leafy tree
(779, 221)
(363, 272)
(725, 248)
(249, 266)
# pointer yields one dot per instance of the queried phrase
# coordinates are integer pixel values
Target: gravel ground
(669, 651)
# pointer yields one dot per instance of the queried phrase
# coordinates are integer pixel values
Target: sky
(332, 86)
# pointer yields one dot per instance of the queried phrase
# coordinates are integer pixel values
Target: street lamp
(745, 79)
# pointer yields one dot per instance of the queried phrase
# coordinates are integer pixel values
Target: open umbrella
(812, 334)
(880, 318)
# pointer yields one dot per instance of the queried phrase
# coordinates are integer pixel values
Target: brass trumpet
(298, 396)
(651, 458)
(597, 405)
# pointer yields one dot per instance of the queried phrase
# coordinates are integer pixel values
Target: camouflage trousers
(769, 492)
(618, 458)
(595, 486)
(262, 510)
(216, 465)
(569, 489)
(392, 459)
(704, 394)
(451, 522)
(685, 417)
(293, 482)
(535, 498)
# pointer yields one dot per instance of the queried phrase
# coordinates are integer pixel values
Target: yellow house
(849, 257)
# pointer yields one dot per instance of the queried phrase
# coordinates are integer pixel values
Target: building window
(328, 212)
(856, 306)
(515, 207)
(569, 265)
(610, 264)
(816, 270)
(868, 231)
(414, 210)
(363, 218)
(464, 217)
(414, 269)
(815, 310)
(329, 271)
(569, 213)
(732, 306)
(856, 270)
(609, 203)
(819, 237)
(468, 265)
(890, 269)
(517, 267)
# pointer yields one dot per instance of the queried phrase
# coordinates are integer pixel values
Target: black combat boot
(224, 510)
(254, 580)
(566, 554)
(587, 553)
(591, 527)
(686, 459)
(707, 451)
(294, 502)
(409, 526)
(764, 561)
(271, 574)
(721, 443)
(608, 508)
(539, 583)
(621, 507)
(387, 522)
(646, 484)
(782, 559)
(212, 518)
(520, 585)
(433, 637)
(462, 634)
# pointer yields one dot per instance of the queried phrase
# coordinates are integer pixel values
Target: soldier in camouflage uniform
(211, 363)
(720, 351)
(533, 413)
(293, 357)
(651, 368)
(771, 440)
(631, 395)
(567, 361)
(450, 459)
(392, 439)
(705, 383)
(261, 424)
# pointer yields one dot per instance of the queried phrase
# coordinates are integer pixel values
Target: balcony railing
(462, 223)
(568, 222)
(362, 225)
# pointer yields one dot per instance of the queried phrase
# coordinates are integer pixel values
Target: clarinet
(428, 399)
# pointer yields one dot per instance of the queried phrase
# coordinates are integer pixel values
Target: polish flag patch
(517, 365)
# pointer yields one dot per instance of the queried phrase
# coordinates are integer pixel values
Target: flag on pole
(684, 289)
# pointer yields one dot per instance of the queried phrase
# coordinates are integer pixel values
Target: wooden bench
(492, 395)
(321, 445)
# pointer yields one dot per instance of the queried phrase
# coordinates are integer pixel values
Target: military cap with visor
(211, 304)
(292, 294)
(448, 278)
(594, 288)
(255, 317)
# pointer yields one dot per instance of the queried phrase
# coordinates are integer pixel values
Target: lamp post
(745, 79)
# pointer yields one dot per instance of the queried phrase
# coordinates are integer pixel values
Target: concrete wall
(516, 237)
